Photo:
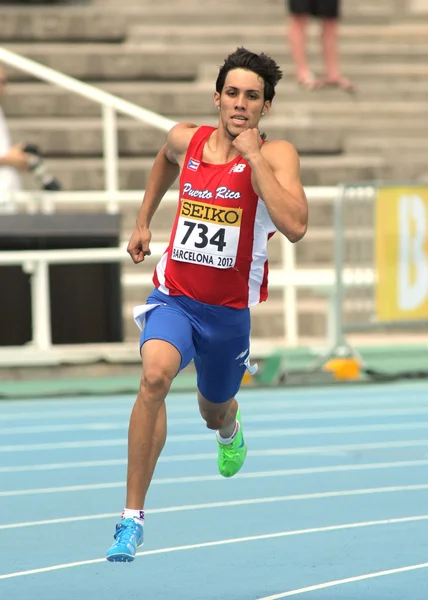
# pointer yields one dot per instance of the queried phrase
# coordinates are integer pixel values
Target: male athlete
(235, 191)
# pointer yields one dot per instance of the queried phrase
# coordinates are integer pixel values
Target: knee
(155, 382)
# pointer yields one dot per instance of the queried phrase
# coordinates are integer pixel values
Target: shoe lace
(230, 451)
(125, 530)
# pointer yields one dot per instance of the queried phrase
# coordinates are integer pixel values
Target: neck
(221, 145)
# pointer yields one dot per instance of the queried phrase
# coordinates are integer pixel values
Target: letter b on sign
(412, 258)
(402, 253)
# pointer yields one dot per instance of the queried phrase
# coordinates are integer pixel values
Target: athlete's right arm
(164, 172)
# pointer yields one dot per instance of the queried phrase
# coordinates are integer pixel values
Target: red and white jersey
(217, 252)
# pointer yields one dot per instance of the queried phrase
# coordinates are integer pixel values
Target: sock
(230, 439)
(137, 515)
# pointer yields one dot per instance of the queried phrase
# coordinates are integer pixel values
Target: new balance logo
(238, 168)
(243, 354)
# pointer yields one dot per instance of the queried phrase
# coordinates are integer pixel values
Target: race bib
(207, 234)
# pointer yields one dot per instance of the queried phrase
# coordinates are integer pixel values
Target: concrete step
(76, 22)
(390, 146)
(349, 107)
(84, 137)
(109, 62)
(88, 174)
(396, 33)
(60, 23)
(382, 12)
(347, 5)
(267, 318)
(156, 61)
(40, 99)
(312, 129)
(37, 99)
(417, 7)
(351, 52)
(365, 73)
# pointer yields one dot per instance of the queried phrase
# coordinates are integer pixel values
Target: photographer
(20, 157)
(12, 160)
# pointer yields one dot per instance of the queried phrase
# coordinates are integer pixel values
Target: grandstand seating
(165, 56)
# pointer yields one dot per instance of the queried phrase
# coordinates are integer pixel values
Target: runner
(236, 190)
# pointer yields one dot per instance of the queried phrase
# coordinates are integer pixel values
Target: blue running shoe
(128, 537)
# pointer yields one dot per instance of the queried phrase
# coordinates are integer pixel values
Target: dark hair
(264, 66)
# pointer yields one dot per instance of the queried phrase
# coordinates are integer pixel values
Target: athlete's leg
(222, 355)
(166, 347)
(219, 417)
(225, 417)
(147, 427)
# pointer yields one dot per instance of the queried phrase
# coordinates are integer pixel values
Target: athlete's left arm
(276, 180)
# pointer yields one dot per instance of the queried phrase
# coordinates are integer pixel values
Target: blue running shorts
(217, 338)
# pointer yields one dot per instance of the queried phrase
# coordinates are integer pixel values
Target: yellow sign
(402, 253)
(210, 213)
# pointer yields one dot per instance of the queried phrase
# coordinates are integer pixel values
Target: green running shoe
(231, 457)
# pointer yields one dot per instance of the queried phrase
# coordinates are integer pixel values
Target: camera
(37, 167)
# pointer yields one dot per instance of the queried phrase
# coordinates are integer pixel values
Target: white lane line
(192, 507)
(340, 448)
(203, 437)
(249, 418)
(263, 474)
(65, 445)
(331, 397)
(65, 465)
(225, 542)
(120, 484)
(302, 471)
(60, 428)
(329, 584)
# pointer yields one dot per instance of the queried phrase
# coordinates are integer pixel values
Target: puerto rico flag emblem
(193, 164)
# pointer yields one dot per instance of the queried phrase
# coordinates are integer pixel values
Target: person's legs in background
(297, 28)
(329, 13)
(299, 15)
(329, 39)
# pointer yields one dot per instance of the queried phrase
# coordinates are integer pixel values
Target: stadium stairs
(165, 57)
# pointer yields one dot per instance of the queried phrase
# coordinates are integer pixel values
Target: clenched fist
(248, 143)
(139, 244)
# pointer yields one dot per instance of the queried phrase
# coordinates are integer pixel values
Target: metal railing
(288, 277)
(110, 105)
(36, 263)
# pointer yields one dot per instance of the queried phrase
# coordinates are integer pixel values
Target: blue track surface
(335, 488)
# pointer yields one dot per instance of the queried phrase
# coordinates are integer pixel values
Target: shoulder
(280, 153)
(179, 137)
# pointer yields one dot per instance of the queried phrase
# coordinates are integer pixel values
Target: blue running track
(331, 504)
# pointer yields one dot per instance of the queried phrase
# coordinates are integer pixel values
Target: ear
(217, 99)
(266, 107)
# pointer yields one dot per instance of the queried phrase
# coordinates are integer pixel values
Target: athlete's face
(241, 101)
